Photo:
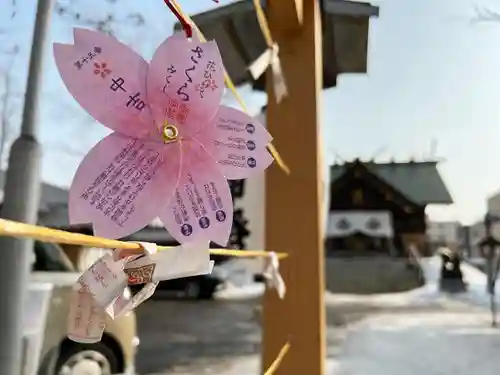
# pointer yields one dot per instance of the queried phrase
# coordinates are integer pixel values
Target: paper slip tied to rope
(101, 289)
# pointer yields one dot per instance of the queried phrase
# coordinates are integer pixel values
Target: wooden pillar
(293, 211)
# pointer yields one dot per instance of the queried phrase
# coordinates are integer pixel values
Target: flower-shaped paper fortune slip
(173, 146)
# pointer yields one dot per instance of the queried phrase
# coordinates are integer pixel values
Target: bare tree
(107, 22)
(6, 113)
(12, 15)
(483, 14)
(109, 19)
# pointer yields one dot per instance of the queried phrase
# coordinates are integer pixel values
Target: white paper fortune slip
(86, 318)
(193, 259)
(101, 289)
(270, 57)
(272, 274)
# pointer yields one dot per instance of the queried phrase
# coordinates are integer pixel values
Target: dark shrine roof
(420, 182)
(240, 41)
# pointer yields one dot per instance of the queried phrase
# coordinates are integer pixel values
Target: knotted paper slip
(101, 290)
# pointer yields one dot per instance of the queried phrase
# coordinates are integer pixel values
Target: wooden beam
(292, 13)
(293, 202)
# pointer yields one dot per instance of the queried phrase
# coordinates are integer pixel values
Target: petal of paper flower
(238, 142)
(122, 184)
(202, 207)
(108, 79)
(185, 83)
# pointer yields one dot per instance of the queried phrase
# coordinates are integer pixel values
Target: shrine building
(379, 208)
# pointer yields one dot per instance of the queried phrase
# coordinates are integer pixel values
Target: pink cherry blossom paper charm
(101, 290)
(173, 146)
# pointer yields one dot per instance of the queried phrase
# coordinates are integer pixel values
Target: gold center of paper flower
(170, 133)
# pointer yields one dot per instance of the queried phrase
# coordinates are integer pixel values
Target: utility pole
(21, 202)
(489, 247)
(293, 202)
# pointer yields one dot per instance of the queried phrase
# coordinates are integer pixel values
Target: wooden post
(293, 212)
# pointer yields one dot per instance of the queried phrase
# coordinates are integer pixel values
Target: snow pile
(238, 281)
(239, 284)
(476, 293)
(232, 292)
(427, 293)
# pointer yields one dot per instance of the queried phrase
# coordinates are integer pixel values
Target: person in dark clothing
(451, 279)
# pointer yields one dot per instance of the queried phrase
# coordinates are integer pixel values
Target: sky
(432, 76)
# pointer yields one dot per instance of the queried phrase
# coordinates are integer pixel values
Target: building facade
(367, 206)
(493, 208)
(379, 208)
(53, 200)
(443, 233)
(476, 233)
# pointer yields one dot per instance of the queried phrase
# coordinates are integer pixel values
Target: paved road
(177, 335)
(208, 337)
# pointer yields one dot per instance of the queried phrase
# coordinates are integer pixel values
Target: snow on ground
(476, 289)
(433, 343)
(235, 292)
(410, 341)
(427, 293)
(475, 294)
(250, 365)
(239, 280)
(240, 285)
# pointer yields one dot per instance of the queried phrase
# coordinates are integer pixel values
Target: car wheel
(192, 290)
(87, 359)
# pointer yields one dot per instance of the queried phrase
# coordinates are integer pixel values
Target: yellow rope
(277, 362)
(16, 229)
(230, 85)
(264, 26)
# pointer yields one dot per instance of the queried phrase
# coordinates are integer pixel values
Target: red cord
(185, 25)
